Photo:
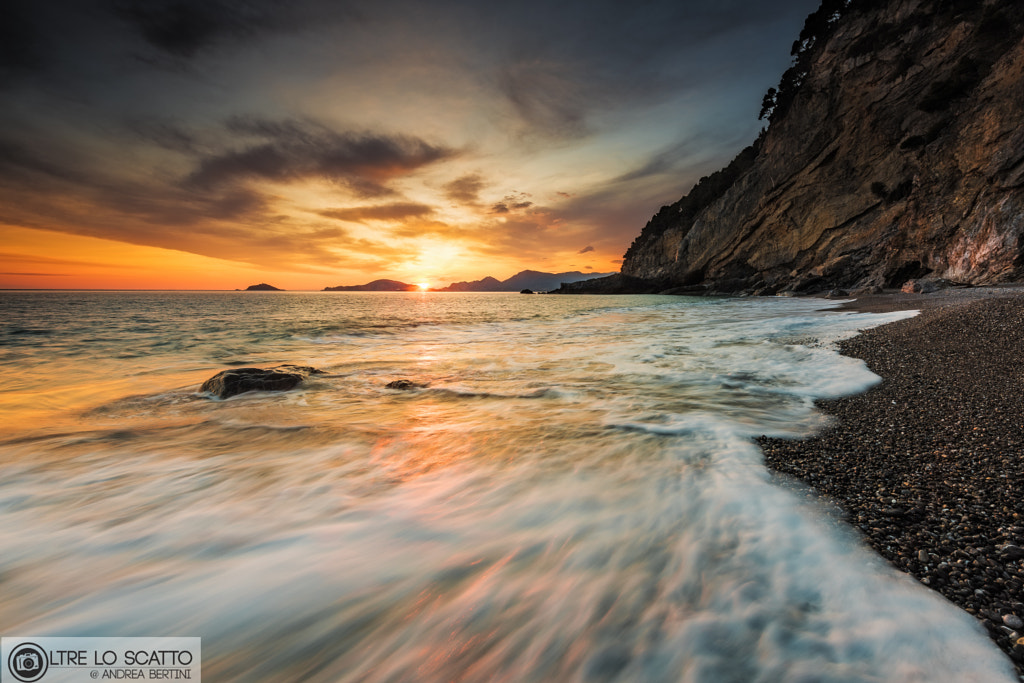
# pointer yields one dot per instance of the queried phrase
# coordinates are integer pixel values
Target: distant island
(263, 287)
(375, 286)
(527, 279)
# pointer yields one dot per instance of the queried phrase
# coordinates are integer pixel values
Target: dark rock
(687, 290)
(1011, 553)
(837, 294)
(922, 286)
(241, 380)
(263, 287)
(526, 291)
(867, 291)
(404, 385)
(612, 284)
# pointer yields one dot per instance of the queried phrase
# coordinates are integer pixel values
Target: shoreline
(927, 464)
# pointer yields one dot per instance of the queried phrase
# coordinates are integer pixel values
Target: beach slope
(928, 464)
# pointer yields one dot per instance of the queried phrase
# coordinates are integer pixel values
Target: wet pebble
(928, 464)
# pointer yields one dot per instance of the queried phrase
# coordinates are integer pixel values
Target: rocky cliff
(895, 151)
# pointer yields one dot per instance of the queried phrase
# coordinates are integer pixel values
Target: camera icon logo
(27, 662)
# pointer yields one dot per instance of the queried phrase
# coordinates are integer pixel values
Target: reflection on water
(572, 496)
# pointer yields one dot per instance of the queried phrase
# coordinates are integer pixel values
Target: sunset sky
(213, 144)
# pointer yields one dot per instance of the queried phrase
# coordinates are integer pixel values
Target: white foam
(595, 512)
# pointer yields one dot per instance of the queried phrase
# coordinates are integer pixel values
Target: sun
(424, 286)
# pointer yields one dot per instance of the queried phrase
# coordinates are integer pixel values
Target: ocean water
(574, 496)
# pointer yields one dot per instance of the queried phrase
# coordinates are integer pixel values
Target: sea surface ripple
(573, 495)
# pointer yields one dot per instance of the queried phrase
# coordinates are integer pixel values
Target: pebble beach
(928, 464)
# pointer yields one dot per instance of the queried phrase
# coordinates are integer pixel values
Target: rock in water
(404, 385)
(240, 380)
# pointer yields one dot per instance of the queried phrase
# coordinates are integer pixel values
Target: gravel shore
(929, 464)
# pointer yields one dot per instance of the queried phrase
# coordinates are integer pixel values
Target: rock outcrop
(240, 380)
(899, 155)
(263, 287)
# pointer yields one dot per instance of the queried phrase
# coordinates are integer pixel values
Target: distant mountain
(263, 287)
(527, 279)
(375, 286)
(544, 282)
(488, 284)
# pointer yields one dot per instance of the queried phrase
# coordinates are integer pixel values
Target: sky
(214, 144)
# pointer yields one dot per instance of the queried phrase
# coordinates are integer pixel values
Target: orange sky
(310, 144)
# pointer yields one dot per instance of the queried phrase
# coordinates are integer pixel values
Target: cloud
(184, 29)
(517, 201)
(289, 151)
(17, 160)
(165, 133)
(465, 189)
(380, 212)
(585, 250)
(546, 96)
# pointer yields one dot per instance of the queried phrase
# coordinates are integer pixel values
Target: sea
(574, 494)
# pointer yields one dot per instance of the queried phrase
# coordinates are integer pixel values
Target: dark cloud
(517, 201)
(183, 27)
(465, 189)
(546, 96)
(381, 212)
(585, 250)
(165, 133)
(666, 160)
(22, 164)
(292, 151)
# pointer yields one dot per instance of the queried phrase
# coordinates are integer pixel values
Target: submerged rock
(240, 380)
(404, 385)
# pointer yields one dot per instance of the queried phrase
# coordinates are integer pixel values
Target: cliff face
(900, 155)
